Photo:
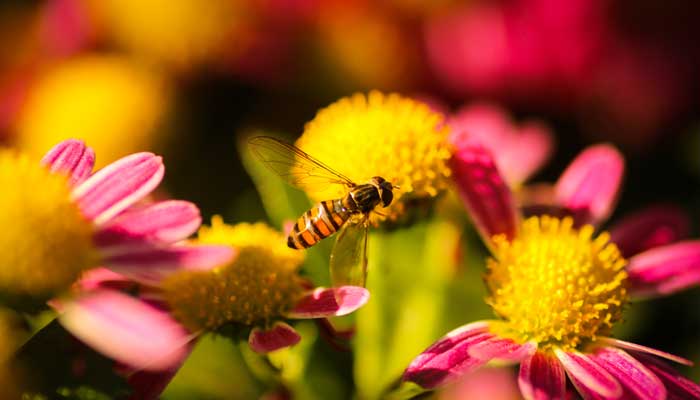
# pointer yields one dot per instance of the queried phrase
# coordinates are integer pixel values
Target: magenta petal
(127, 330)
(486, 196)
(542, 377)
(71, 157)
(150, 266)
(163, 222)
(448, 358)
(117, 186)
(677, 386)
(589, 377)
(631, 373)
(652, 227)
(321, 302)
(665, 269)
(643, 349)
(502, 349)
(278, 337)
(590, 184)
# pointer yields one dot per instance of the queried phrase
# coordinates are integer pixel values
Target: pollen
(259, 285)
(557, 285)
(45, 239)
(394, 137)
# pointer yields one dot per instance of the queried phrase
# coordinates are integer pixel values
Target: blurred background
(189, 79)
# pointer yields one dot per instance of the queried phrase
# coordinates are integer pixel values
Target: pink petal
(71, 157)
(652, 227)
(643, 349)
(631, 373)
(502, 349)
(542, 377)
(448, 358)
(528, 152)
(114, 188)
(163, 222)
(519, 151)
(666, 269)
(589, 377)
(97, 278)
(486, 196)
(321, 302)
(590, 184)
(278, 337)
(677, 386)
(127, 329)
(150, 266)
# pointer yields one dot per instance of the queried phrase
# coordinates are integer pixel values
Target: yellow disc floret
(394, 137)
(555, 284)
(45, 240)
(260, 284)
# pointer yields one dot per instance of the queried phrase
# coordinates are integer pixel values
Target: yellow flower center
(556, 285)
(394, 137)
(261, 283)
(45, 240)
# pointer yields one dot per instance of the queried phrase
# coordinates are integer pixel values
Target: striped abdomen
(321, 221)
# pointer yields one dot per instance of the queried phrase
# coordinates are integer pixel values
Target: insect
(348, 215)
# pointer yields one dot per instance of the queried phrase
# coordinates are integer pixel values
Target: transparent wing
(349, 256)
(293, 164)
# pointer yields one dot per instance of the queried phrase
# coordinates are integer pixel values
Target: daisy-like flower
(397, 138)
(257, 292)
(59, 220)
(558, 289)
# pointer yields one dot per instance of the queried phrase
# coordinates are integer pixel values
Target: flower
(108, 101)
(255, 293)
(519, 150)
(390, 136)
(180, 35)
(60, 219)
(558, 289)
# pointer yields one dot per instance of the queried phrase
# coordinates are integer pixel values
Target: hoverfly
(349, 214)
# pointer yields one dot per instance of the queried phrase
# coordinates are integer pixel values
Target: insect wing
(348, 263)
(294, 165)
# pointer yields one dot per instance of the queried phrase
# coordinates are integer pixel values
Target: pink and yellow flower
(558, 288)
(254, 293)
(61, 219)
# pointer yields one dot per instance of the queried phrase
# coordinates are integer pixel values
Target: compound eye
(387, 197)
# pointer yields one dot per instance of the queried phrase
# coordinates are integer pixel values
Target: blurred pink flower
(551, 331)
(563, 55)
(519, 150)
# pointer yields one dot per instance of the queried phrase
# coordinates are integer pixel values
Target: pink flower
(136, 240)
(61, 219)
(559, 289)
(255, 293)
(519, 150)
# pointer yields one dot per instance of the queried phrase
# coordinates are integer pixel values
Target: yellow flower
(175, 33)
(390, 136)
(262, 283)
(555, 284)
(107, 101)
(46, 241)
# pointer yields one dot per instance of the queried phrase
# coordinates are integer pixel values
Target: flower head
(256, 293)
(558, 289)
(60, 220)
(107, 101)
(397, 138)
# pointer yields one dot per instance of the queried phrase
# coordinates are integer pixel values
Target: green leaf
(409, 273)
